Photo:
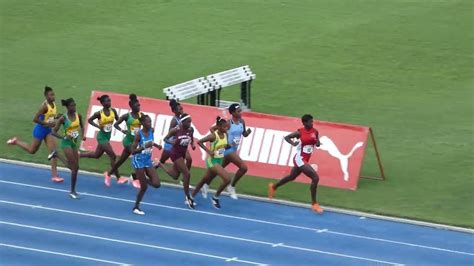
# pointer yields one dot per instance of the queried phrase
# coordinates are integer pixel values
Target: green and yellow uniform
(71, 132)
(218, 147)
(106, 123)
(133, 126)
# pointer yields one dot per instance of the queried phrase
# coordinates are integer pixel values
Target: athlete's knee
(315, 179)
(244, 168)
(156, 183)
(113, 157)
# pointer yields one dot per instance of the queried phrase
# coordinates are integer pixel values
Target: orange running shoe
(315, 207)
(122, 180)
(107, 179)
(136, 184)
(57, 179)
(271, 191)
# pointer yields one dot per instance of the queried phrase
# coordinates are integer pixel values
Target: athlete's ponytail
(174, 105)
(67, 102)
(133, 99)
(220, 121)
(102, 98)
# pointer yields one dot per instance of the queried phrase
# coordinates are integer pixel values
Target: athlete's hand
(248, 131)
(51, 124)
(193, 146)
(84, 138)
(124, 131)
(211, 153)
(296, 143)
(148, 144)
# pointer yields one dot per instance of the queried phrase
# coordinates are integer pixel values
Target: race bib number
(219, 153)
(308, 149)
(73, 134)
(184, 142)
(108, 128)
(134, 131)
(237, 141)
(147, 150)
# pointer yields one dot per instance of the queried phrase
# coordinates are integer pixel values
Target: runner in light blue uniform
(236, 129)
(142, 149)
(235, 132)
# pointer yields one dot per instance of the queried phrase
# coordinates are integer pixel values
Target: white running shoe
(204, 190)
(138, 211)
(232, 193)
(74, 195)
(52, 155)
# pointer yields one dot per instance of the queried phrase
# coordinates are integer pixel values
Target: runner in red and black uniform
(180, 137)
(309, 138)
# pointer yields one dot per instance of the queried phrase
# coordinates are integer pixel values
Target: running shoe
(136, 184)
(138, 211)
(190, 202)
(232, 193)
(107, 179)
(74, 195)
(216, 203)
(52, 155)
(122, 180)
(204, 190)
(57, 179)
(315, 207)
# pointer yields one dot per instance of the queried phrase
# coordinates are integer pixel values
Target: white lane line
(254, 220)
(62, 254)
(126, 242)
(197, 232)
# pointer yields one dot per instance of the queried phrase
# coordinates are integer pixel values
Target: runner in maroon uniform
(309, 138)
(180, 137)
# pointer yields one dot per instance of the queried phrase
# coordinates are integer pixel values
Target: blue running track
(41, 225)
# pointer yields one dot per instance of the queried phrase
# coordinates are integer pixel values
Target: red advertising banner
(338, 160)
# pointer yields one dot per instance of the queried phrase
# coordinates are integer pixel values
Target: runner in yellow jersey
(216, 150)
(106, 119)
(45, 121)
(73, 133)
(133, 126)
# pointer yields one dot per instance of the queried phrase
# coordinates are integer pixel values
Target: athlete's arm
(43, 110)
(169, 135)
(82, 127)
(291, 136)
(115, 113)
(173, 124)
(119, 121)
(158, 146)
(193, 146)
(210, 138)
(54, 132)
(91, 119)
(318, 143)
(247, 131)
(135, 149)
